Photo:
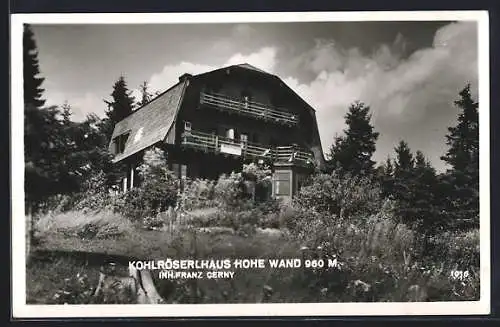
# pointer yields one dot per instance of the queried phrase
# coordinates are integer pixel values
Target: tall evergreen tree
(386, 177)
(402, 183)
(66, 113)
(426, 202)
(463, 139)
(463, 158)
(119, 107)
(31, 70)
(122, 103)
(404, 163)
(353, 151)
(146, 96)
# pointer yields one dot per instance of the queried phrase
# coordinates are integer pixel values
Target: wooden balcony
(219, 144)
(248, 108)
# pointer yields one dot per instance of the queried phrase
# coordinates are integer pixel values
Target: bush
(158, 190)
(197, 194)
(153, 222)
(230, 192)
(344, 196)
(459, 248)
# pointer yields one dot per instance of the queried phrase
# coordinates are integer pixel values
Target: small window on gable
(119, 142)
(187, 126)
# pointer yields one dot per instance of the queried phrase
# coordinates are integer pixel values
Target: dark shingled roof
(151, 123)
(248, 66)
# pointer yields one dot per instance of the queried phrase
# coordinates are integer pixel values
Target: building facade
(214, 122)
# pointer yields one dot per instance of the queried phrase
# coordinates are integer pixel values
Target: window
(244, 138)
(120, 142)
(230, 133)
(187, 126)
(282, 183)
(183, 171)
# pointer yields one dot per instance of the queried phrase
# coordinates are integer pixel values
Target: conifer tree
(119, 107)
(353, 151)
(463, 158)
(31, 70)
(66, 113)
(426, 202)
(123, 103)
(402, 183)
(387, 177)
(146, 96)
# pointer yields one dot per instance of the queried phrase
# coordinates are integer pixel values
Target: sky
(409, 73)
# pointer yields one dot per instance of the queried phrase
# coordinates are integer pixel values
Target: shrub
(260, 175)
(459, 248)
(197, 194)
(153, 222)
(230, 191)
(344, 196)
(158, 190)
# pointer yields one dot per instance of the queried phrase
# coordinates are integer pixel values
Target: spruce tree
(122, 104)
(119, 107)
(463, 159)
(404, 162)
(31, 70)
(353, 151)
(66, 113)
(402, 183)
(387, 178)
(426, 202)
(146, 96)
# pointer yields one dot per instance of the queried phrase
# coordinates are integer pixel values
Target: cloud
(410, 98)
(81, 105)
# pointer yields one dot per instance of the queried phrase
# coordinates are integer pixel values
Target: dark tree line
(426, 200)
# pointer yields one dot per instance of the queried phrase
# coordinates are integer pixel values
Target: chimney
(185, 77)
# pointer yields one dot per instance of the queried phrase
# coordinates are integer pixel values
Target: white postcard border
(21, 310)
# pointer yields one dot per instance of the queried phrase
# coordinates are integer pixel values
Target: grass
(377, 265)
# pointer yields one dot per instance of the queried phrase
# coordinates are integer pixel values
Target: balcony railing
(248, 108)
(219, 144)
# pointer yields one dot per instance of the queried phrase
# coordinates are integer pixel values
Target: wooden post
(131, 176)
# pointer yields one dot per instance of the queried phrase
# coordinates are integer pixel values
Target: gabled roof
(149, 124)
(248, 66)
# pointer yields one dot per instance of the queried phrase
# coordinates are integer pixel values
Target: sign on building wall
(234, 149)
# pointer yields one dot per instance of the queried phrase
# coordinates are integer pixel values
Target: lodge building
(214, 122)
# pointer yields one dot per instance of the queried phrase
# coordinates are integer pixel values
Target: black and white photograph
(259, 164)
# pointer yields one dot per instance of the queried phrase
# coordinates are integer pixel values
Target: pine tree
(402, 183)
(122, 104)
(66, 113)
(463, 157)
(32, 82)
(146, 96)
(119, 107)
(353, 152)
(404, 162)
(387, 178)
(426, 203)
